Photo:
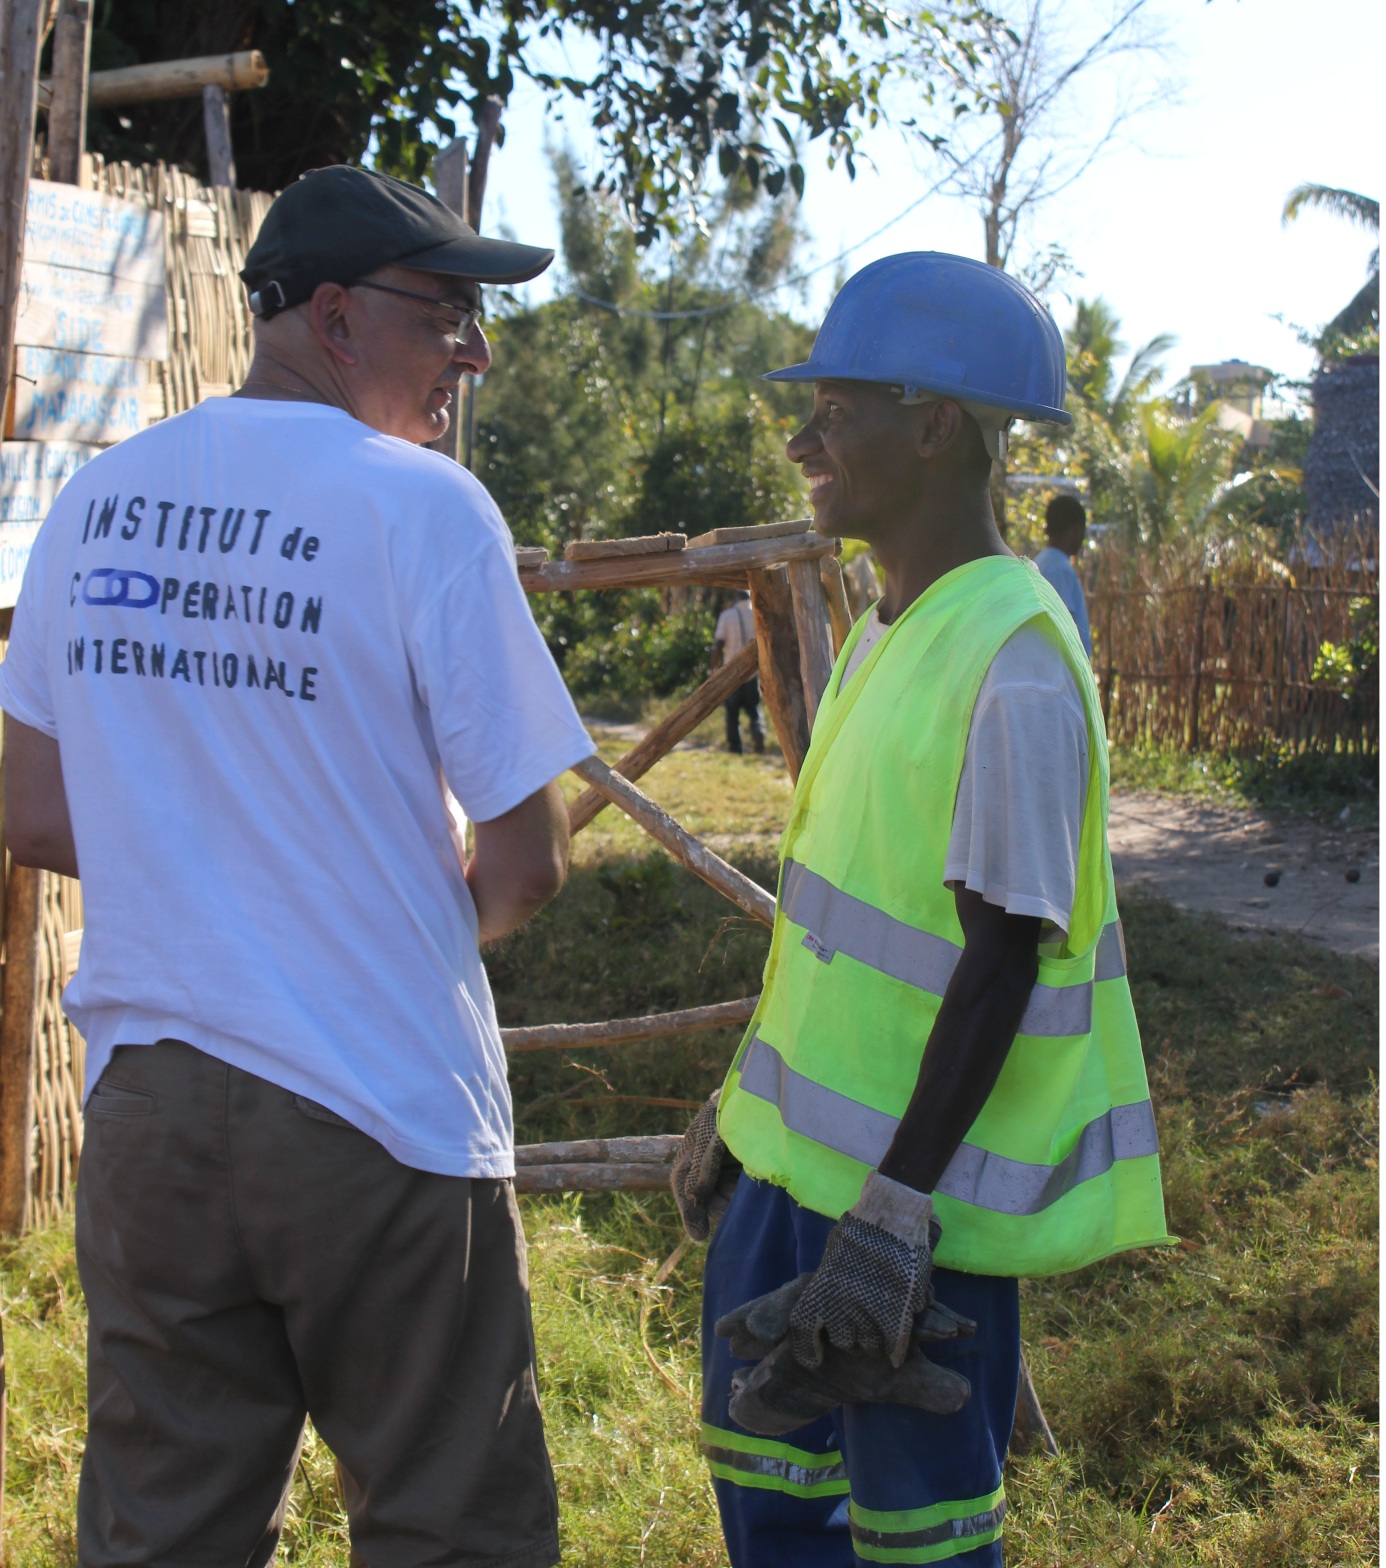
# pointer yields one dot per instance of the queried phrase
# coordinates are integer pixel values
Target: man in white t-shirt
(268, 657)
(736, 626)
(1066, 525)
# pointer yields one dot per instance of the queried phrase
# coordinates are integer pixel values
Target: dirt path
(1217, 858)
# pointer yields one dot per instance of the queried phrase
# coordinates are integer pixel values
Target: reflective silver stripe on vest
(837, 922)
(777, 1466)
(931, 1535)
(974, 1175)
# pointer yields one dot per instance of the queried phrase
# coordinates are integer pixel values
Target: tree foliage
(1357, 326)
(676, 86)
(597, 423)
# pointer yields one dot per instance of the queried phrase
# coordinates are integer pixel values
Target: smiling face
(861, 453)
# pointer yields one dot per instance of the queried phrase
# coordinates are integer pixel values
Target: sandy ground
(1217, 858)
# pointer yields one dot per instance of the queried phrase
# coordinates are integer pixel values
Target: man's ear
(942, 427)
(328, 317)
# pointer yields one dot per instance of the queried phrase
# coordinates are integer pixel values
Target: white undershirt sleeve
(1020, 799)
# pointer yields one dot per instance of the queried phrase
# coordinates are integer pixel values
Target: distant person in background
(1066, 524)
(736, 626)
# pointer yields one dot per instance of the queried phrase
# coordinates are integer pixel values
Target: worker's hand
(873, 1281)
(704, 1175)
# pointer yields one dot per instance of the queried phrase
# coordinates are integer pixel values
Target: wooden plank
(811, 625)
(68, 227)
(67, 109)
(91, 312)
(20, 38)
(239, 72)
(526, 557)
(689, 714)
(835, 591)
(681, 844)
(713, 565)
(592, 1178)
(31, 474)
(798, 525)
(614, 549)
(62, 396)
(781, 684)
(23, 910)
(656, 1149)
(627, 1031)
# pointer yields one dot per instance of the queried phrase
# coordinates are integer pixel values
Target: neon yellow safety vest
(1061, 1166)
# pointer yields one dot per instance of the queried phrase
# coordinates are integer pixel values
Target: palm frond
(1351, 205)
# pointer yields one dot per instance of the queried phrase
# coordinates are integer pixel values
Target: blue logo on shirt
(110, 585)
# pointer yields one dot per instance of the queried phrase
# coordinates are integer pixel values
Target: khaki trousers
(249, 1258)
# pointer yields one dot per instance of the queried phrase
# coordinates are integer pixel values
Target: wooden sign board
(60, 396)
(65, 226)
(91, 312)
(31, 474)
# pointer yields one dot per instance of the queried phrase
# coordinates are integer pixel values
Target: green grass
(1216, 1404)
(1312, 784)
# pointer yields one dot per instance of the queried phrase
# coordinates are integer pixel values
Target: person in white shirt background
(736, 626)
(1066, 524)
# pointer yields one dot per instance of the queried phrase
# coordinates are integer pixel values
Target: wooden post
(1281, 648)
(835, 591)
(488, 119)
(811, 625)
(67, 111)
(629, 1031)
(168, 78)
(23, 914)
(781, 684)
(20, 22)
(216, 126)
(1195, 695)
(450, 177)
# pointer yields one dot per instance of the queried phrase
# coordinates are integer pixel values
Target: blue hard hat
(933, 322)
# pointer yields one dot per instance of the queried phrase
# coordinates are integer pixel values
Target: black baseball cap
(335, 225)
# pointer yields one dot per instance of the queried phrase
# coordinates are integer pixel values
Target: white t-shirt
(1019, 807)
(264, 635)
(736, 626)
(1057, 570)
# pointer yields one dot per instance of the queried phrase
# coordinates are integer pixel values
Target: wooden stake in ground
(23, 912)
(681, 844)
(662, 739)
(20, 21)
(67, 111)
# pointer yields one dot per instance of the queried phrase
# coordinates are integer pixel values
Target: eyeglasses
(461, 329)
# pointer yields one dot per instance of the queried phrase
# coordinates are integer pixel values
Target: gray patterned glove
(704, 1174)
(873, 1281)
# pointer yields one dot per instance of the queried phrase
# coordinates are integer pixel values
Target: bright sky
(1177, 226)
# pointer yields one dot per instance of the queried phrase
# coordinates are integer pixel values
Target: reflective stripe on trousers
(974, 1175)
(760, 1461)
(836, 922)
(926, 1535)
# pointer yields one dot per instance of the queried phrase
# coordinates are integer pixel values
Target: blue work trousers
(865, 1484)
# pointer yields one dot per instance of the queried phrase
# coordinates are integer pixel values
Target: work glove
(704, 1174)
(873, 1281)
(756, 1328)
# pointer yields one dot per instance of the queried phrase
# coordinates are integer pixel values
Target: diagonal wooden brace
(670, 731)
(628, 1031)
(680, 843)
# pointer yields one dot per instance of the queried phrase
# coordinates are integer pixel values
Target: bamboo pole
(170, 79)
(781, 684)
(681, 844)
(627, 1031)
(662, 739)
(23, 911)
(811, 624)
(673, 568)
(67, 110)
(835, 591)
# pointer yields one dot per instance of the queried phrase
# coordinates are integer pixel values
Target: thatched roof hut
(1342, 472)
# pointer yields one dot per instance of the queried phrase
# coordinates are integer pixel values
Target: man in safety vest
(942, 1088)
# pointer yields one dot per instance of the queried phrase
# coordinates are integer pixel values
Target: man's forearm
(967, 1048)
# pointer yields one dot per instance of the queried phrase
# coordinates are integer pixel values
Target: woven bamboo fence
(1221, 658)
(207, 233)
